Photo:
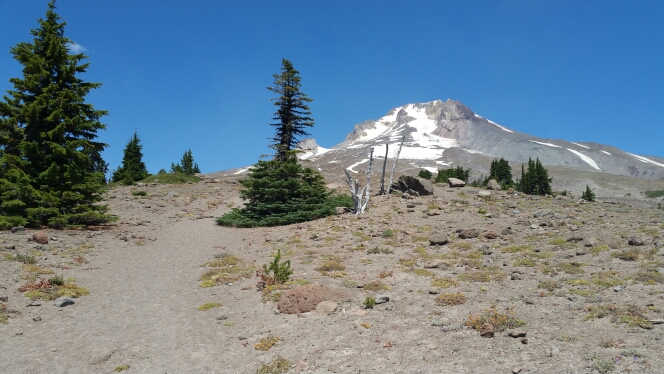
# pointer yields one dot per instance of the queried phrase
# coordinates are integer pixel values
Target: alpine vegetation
(133, 168)
(280, 191)
(51, 170)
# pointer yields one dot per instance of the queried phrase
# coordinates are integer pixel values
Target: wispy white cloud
(75, 48)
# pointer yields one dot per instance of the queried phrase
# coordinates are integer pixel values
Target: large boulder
(493, 185)
(40, 237)
(306, 298)
(454, 182)
(407, 183)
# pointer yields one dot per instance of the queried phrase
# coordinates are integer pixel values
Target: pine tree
(501, 171)
(186, 165)
(292, 115)
(588, 194)
(51, 170)
(280, 191)
(133, 168)
(535, 180)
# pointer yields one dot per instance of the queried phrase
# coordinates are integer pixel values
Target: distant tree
(133, 168)
(588, 195)
(280, 191)
(186, 165)
(424, 173)
(458, 172)
(501, 171)
(51, 169)
(535, 180)
(161, 171)
(292, 115)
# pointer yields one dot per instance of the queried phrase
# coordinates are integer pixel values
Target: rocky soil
(551, 285)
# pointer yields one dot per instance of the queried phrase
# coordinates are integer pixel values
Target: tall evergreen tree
(293, 113)
(133, 168)
(51, 170)
(280, 191)
(501, 171)
(535, 180)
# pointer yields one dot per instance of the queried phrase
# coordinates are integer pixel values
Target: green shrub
(139, 193)
(458, 172)
(369, 302)
(282, 193)
(57, 280)
(280, 272)
(654, 194)
(588, 195)
(170, 178)
(535, 180)
(424, 173)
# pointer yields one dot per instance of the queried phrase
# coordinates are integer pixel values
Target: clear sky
(193, 74)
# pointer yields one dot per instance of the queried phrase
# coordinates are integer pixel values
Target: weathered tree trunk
(382, 177)
(360, 201)
(389, 187)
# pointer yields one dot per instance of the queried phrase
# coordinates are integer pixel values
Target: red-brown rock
(40, 237)
(487, 330)
(304, 299)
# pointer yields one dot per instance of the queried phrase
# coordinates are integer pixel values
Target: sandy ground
(143, 273)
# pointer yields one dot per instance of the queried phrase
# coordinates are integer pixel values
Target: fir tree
(588, 194)
(133, 168)
(186, 165)
(281, 191)
(535, 180)
(292, 115)
(501, 171)
(51, 170)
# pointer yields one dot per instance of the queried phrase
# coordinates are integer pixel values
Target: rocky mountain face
(440, 134)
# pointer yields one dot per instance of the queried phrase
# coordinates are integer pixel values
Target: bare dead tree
(382, 177)
(360, 195)
(389, 187)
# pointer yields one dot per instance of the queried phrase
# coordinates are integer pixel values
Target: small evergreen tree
(281, 191)
(535, 180)
(51, 170)
(424, 173)
(186, 165)
(501, 171)
(458, 172)
(588, 194)
(133, 168)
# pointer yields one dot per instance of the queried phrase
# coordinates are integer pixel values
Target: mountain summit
(439, 134)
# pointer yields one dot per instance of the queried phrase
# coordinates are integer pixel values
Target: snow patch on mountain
(606, 152)
(314, 152)
(580, 145)
(585, 158)
(242, 170)
(547, 144)
(497, 125)
(646, 160)
(350, 168)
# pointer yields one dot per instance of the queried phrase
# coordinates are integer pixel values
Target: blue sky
(193, 74)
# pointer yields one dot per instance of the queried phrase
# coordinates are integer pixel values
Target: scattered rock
(4, 299)
(581, 252)
(559, 216)
(438, 239)
(636, 241)
(341, 210)
(517, 333)
(40, 237)
(305, 298)
(36, 319)
(487, 331)
(493, 185)
(573, 228)
(553, 351)
(617, 289)
(490, 235)
(18, 230)
(172, 194)
(507, 231)
(454, 182)
(325, 308)
(469, 234)
(516, 276)
(591, 242)
(63, 301)
(574, 239)
(406, 183)
(382, 299)
(484, 193)
(542, 213)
